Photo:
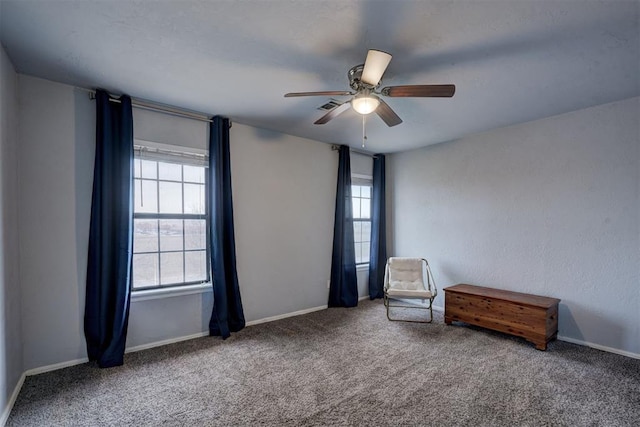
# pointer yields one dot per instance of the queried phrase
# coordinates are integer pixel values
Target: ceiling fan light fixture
(365, 104)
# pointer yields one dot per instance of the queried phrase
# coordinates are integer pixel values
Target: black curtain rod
(335, 147)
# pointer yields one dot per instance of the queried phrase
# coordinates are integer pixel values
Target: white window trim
(360, 178)
(170, 291)
(178, 290)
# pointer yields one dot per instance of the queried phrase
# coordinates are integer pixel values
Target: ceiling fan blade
(387, 114)
(436, 91)
(333, 113)
(326, 93)
(375, 66)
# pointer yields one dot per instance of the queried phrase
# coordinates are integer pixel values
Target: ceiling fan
(365, 79)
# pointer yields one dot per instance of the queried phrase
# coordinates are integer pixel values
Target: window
(361, 199)
(170, 244)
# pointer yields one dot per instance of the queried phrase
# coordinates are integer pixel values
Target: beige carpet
(343, 367)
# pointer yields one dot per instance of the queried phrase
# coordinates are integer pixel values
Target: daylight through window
(361, 199)
(170, 245)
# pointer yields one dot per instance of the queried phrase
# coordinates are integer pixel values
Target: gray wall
(284, 193)
(57, 127)
(284, 196)
(10, 330)
(550, 207)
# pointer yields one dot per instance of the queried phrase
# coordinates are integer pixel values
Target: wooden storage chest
(532, 317)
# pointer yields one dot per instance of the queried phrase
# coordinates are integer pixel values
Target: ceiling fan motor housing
(355, 76)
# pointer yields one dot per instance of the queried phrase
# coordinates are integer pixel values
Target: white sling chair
(409, 278)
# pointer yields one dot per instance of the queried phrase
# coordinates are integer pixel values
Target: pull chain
(364, 133)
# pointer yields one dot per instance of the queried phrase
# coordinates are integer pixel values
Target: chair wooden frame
(430, 295)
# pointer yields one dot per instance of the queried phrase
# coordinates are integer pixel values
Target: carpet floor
(343, 367)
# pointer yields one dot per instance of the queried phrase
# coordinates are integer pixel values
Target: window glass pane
(170, 197)
(193, 174)
(365, 252)
(366, 231)
(355, 191)
(172, 268)
(358, 249)
(357, 227)
(356, 207)
(145, 270)
(145, 235)
(171, 235)
(195, 266)
(170, 171)
(145, 169)
(145, 198)
(365, 191)
(365, 210)
(194, 198)
(195, 234)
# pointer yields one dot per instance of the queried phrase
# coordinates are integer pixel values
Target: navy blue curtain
(108, 287)
(378, 251)
(343, 290)
(227, 315)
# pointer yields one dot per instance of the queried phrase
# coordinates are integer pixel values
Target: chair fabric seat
(415, 285)
(409, 293)
(404, 278)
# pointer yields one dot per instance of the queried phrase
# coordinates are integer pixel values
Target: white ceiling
(511, 61)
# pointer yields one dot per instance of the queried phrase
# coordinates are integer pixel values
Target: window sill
(362, 267)
(170, 292)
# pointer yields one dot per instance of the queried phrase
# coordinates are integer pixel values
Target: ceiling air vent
(330, 105)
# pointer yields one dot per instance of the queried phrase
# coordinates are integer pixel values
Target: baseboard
(12, 400)
(583, 343)
(599, 347)
(61, 365)
(206, 333)
(284, 316)
(165, 342)
(295, 313)
(55, 366)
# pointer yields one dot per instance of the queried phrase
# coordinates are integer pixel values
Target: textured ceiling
(511, 61)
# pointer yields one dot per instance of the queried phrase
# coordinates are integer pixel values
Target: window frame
(362, 181)
(174, 155)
